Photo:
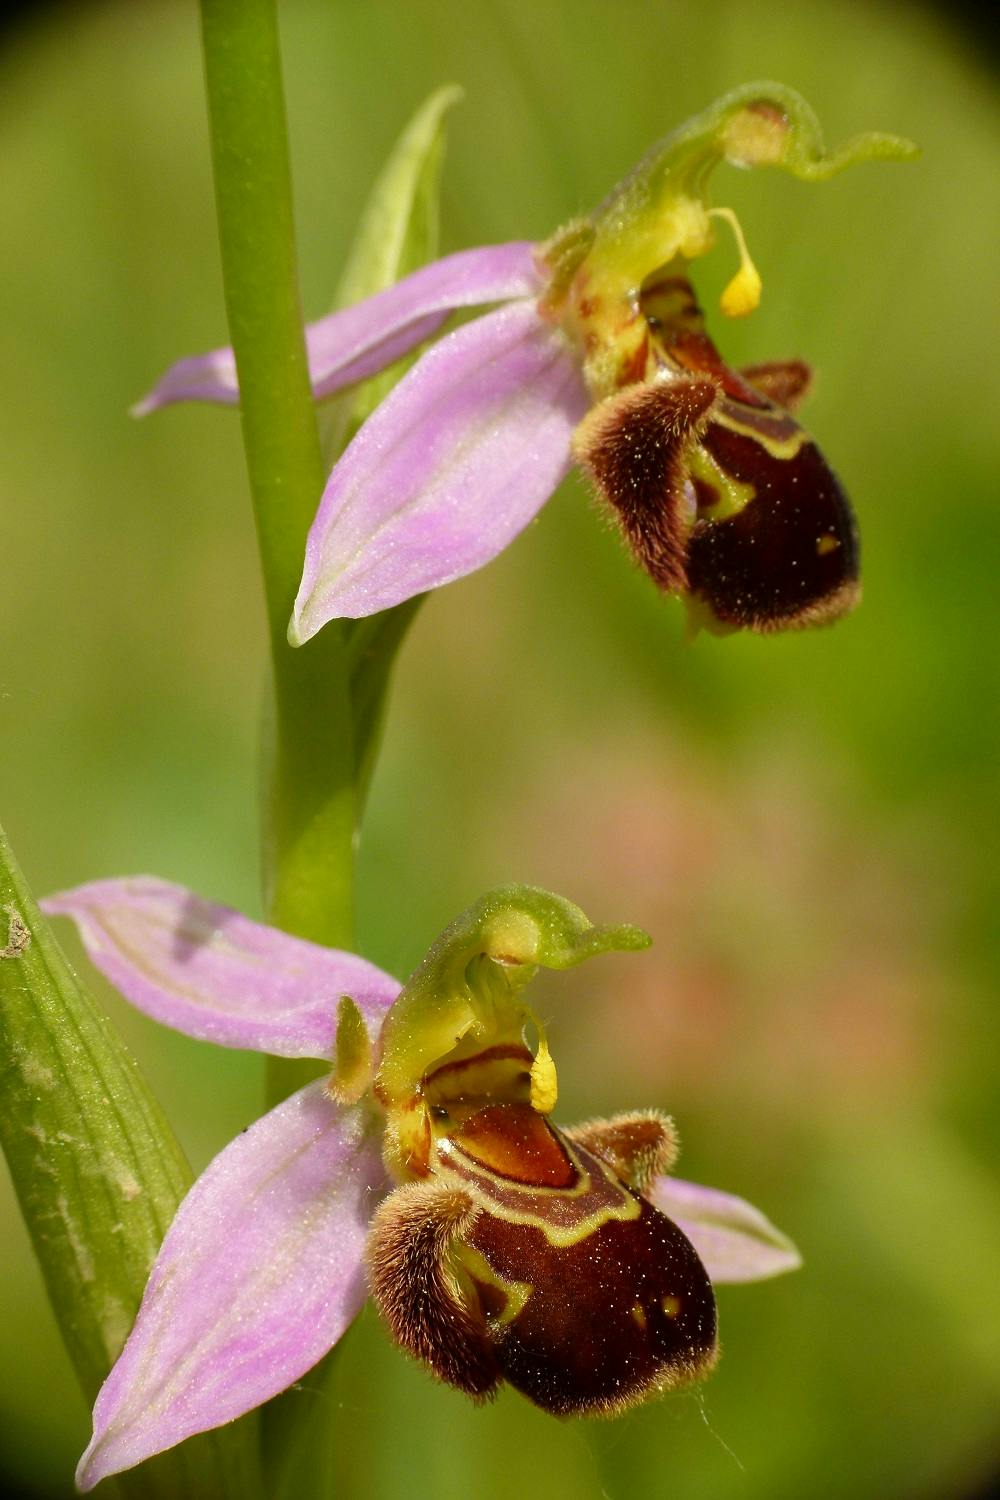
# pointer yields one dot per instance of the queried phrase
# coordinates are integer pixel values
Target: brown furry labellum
(530, 1255)
(720, 493)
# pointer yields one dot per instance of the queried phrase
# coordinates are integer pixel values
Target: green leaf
(98, 1174)
(397, 234)
(372, 647)
(398, 231)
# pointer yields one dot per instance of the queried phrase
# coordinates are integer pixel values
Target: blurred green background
(802, 823)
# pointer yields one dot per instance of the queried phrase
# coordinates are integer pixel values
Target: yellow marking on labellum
(639, 1314)
(733, 494)
(826, 544)
(511, 1296)
(671, 1306)
(477, 1182)
(780, 448)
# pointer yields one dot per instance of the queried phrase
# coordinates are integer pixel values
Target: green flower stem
(309, 804)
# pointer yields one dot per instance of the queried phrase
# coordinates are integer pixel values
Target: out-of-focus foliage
(801, 823)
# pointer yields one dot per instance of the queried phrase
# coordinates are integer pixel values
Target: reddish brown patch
(634, 367)
(585, 1299)
(785, 381)
(772, 423)
(515, 1142)
(678, 336)
(768, 111)
(693, 350)
(706, 495)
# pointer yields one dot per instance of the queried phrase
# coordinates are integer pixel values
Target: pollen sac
(720, 493)
(529, 1256)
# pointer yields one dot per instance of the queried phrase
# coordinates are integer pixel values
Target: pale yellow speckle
(826, 544)
(671, 1306)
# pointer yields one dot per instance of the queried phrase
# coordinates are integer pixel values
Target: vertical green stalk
(309, 811)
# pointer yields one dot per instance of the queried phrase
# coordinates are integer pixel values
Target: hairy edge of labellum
(788, 558)
(637, 1147)
(530, 1256)
(634, 446)
(413, 1278)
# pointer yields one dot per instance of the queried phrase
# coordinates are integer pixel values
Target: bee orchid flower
(424, 1166)
(597, 352)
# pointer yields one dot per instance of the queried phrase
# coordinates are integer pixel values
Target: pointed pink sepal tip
(358, 341)
(212, 973)
(734, 1240)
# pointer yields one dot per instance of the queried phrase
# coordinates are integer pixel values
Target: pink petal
(210, 972)
(734, 1240)
(459, 457)
(355, 342)
(259, 1275)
